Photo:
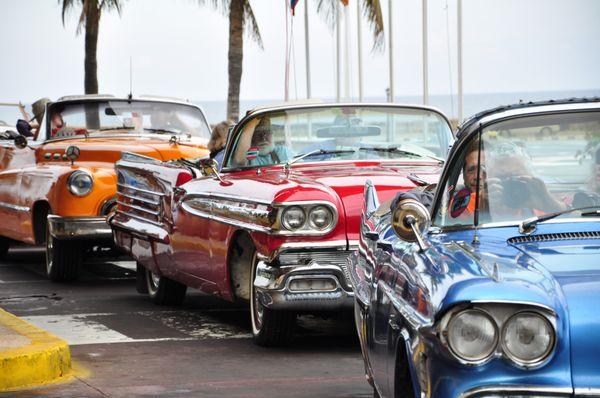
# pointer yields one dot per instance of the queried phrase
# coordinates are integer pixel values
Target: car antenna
(130, 96)
(477, 186)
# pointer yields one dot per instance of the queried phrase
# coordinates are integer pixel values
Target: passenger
(56, 124)
(217, 141)
(261, 150)
(27, 126)
(165, 118)
(462, 204)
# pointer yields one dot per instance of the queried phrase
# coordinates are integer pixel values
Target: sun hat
(38, 108)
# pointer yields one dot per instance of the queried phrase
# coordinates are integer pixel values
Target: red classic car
(275, 223)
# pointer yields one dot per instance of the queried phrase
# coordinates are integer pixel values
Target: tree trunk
(92, 23)
(235, 58)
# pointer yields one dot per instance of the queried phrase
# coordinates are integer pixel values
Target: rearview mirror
(348, 131)
(208, 166)
(410, 219)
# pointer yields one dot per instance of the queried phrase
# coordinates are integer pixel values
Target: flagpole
(425, 56)
(346, 53)
(459, 61)
(307, 49)
(391, 52)
(286, 95)
(359, 43)
(338, 53)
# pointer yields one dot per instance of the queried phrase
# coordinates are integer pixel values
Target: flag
(293, 4)
(252, 153)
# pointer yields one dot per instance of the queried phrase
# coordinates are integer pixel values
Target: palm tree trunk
(235, 58)
(92, 23)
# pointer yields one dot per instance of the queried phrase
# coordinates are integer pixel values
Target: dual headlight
(308, 218)
(80, 183)
(526, 337)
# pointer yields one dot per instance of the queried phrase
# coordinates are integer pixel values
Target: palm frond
(251, 25)
(67, 5)
(372, 12)
(221, 6)
(327, 9)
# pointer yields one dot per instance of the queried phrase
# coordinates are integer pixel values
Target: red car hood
(348, 182)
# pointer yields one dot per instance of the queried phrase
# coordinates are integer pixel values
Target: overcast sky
(180, 49)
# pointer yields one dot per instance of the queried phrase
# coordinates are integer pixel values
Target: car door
(15, 214)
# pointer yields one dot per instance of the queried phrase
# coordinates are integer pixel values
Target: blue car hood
(575, 265)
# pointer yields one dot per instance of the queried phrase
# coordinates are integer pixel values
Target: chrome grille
(555, 237)
(331, 257)
(140, 204)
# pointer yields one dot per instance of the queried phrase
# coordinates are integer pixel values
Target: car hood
(575, 265)
(347, 181)
(555, 268)
(105, 151)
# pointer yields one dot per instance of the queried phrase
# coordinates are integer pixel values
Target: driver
(261, 150)
(507, 185)
(163, 118)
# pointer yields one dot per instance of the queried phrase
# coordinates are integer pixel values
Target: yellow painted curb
(46, 359)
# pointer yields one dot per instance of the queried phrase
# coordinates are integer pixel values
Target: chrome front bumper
(79, 227)
(305, 281)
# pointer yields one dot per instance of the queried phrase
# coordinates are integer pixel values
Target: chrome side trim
(138, 208)
(205, 213)
(211, 195)
(587, 391)
(10, 206)
(125, 186)
(515, 302)
(520, 389)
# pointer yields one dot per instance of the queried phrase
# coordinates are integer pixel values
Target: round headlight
(472, 335)
(320, 217)
(293, 217)
(80, 183)
(527, 338)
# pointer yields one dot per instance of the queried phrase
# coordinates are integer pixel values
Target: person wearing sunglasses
(261, 150)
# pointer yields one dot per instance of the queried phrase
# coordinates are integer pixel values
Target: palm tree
(89, 19)
(371, 11)
(241, 17)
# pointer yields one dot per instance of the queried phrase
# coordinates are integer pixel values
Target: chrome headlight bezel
(486, 354)
(533, 361)
(308, 227)
(500, 313)
(300, 215)
(73, 178)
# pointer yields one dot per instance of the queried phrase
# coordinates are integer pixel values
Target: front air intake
(554, 237)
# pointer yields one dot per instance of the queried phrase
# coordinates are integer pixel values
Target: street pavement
(126, 346)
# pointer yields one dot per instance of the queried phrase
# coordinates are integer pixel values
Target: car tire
(63, 259)
(403, 386)
(141, 284)
(270, 328)
(164, 291)
(4, 246)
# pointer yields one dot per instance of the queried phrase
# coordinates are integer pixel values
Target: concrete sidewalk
(30, 356)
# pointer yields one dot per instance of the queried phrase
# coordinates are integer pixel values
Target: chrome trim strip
(138, 208)
(10, 206)
(231, 198)
(516, 302)
(228, 221)
(587, 391)
(500, 389)
(125, 186)
(307, 246)
(139, 218)
(139, 198)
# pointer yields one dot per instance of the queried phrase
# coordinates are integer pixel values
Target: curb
(45, 358)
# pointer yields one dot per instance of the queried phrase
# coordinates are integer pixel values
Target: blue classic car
(489, 284)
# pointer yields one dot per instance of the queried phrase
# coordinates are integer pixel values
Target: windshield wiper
(401, 152)
(316, 152)
(528, 224)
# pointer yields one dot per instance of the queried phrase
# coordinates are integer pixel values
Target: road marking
(79, 329)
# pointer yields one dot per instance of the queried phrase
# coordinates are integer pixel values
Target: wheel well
(40, 218)
(240, 264)
(403, 380)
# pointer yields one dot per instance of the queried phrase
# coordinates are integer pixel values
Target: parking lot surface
(125, 346)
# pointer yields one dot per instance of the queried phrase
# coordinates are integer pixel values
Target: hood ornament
(72, 153)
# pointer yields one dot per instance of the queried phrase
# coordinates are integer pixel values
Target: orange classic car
(58, 188)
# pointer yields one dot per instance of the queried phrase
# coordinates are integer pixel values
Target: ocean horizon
(473, 103)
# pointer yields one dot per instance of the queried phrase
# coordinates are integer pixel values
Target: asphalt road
(131, 347)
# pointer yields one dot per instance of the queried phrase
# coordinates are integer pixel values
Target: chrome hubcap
(256, 307)
(153, 280)
(49, 253)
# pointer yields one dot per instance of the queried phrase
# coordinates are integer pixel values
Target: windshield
(528, 167)
(340, 133)
(121, 116)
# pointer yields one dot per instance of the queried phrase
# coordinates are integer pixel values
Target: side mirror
(409, 221)
(20, 142)
(208, 166)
